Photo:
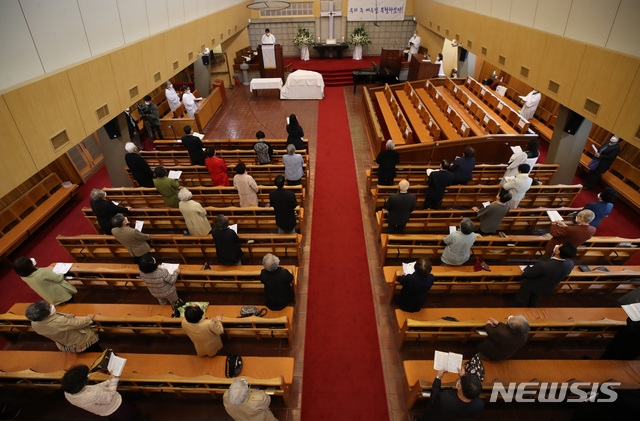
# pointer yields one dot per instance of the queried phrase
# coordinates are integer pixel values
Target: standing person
(246, 186)
(227, 242)
(244, 404)
(50, 286)
(400, 206)
(190, 102)
(293, 166)
(151, 114)
(453, 404)
(100, 399)
(458, 249)
(387, 161)
(284, 205)
(160, 282)
(268, 38)
(415, 287)
(167, 187)
(438, 182)
(295, 133)
(503, 339)
(195, 216)
(132, 125)
(542, 277)
(606, 155)
(575, 234)
(491, 216)
(136, 243)
(217, 168)
(530, 104)
(105, 209)
(441, 70)
(264, 151)
(278, 283)
(462, 168)
(204, 333)
(529, 156)
(140, 170)
(414, 44)
(70, 333)
(194, 146)
(603, 207)
(519, 186)
(172, 96)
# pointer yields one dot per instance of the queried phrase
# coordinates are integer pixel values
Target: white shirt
(190, 103)
(268, 39)
(172, 98)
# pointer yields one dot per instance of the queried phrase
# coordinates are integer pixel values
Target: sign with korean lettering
(376, 10)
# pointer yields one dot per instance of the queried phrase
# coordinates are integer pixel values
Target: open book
(234, 227)
(198, 135)
(448, 361)
(633, 311)
(108, 362)
(170, 267)
(62, 268)
(175, 174)
(516, 149)
(408, 268)
(554, 216)
(139, 225)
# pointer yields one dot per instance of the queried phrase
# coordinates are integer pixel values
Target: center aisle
(342, 377)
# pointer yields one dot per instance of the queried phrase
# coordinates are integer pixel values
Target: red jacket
(218, 170)
(575, 234)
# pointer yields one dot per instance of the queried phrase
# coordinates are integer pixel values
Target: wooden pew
(449, 131)
(252, 219)
(193, 278)
(474, 195)
(390, 119)
(419, 375)
(148, 197)
(482, 173)
(195, 175)
(173, 128)
(476, 128)
(545, 323)
(105, 248)
(494, 247)
(156, 320)
(223, 144)
(180, 157)
(419, 124)
(31, 210)
(183, 375)
(506, 280)
(439, 221)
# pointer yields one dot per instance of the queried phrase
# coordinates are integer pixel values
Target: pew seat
(181, 156)
(223, 144)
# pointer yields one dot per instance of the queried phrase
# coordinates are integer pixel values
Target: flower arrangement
(359, 36)
(303, 37)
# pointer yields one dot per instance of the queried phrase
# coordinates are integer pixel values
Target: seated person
(217, 168)
(160, 282)
(243, 403)
(575, 234)
(603, 207)
(415, 287)
(50, 286)
(491, 216)
(458, 249)
(227, 242)
(167, 187)
(462, 168)
(264, 151)
(278, 283)
(204, 333)
(458, 403)
(503, 339)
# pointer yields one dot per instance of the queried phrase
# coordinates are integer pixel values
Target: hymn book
(516, 149)
(62, 268)
(555, 216)
(170, 267)
(108, 362)
(139, 225)
(408, 268)
(633, 311)
(447, 361)
(198, 135)
(234, 227)
(175, 174)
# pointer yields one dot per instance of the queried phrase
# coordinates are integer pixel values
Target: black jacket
(462, 170)
(295, 136)
(278, 288)
(414, 291)
(502, 341)
(387, 161)
(445, 404)
(194, 146)
(227, 246)
(104, 210)
(543, 276)
(284, 204)
(140, 170)
(608, 153)
(400, 206)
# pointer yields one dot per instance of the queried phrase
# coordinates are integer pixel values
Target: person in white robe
(530, 103)
(190, 103)
(414, 44)
(268, 38)
(441, 70)
(172, 96)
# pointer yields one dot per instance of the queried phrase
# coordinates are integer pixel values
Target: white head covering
(130, 147)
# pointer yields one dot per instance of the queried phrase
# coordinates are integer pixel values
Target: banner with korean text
(376, 10)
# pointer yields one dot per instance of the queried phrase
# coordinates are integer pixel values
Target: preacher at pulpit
(414, 44)
(268, 38)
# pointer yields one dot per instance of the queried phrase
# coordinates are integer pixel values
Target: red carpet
(342, 378)
(334, 72)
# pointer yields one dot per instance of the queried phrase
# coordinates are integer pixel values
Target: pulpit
(271, 62)
(420, 68)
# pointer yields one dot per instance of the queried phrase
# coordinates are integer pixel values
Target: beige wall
(583, 72)
(67, 100)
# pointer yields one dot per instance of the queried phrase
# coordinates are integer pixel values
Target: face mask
(613, 139)
(53, 309)
(33, 261)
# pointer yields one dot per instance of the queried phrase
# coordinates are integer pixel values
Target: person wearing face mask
(503, 339)
(152, 116)
(606, 154)
(50, 286)
(172, 97)
(189, 101)
(603, 207)
(70, 333)
(414, 44)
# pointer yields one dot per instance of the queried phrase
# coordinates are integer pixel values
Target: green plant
(359, 36)
(303, 37)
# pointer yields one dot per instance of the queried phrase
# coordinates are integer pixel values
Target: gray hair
(238, 392)
(184, 195)
(467, 226)
(117, 220)
(519, 323)
(270, 262)
(97, 194)
(390, 144)
(587, 215)
(130, 147)
(403, 185)
(39, 311)
(291, 149)
(221, 222)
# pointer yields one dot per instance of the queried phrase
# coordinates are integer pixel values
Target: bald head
(403, 185)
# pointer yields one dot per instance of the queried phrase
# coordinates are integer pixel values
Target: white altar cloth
(265, 83)
(303, 84)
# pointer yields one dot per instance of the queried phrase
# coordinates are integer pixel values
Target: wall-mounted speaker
(205, 60)
(574, 121)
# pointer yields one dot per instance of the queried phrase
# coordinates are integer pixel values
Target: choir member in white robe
(530, 103)
(414, 44)
(190, 103)
(268, 38)
(441, 70)
(172, 96)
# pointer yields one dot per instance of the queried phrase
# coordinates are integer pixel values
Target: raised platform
(335, 72)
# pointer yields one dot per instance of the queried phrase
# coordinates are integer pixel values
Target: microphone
(173, 131)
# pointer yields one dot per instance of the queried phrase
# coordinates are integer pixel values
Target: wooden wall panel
(128, 71)
(174, 52)
(560, 63)
(154, 60)
(501, 34)
(529, 53)
(42, 110)
(627, 125)
(16, 162)
(604, 77)
(190, 42)
(93, 86)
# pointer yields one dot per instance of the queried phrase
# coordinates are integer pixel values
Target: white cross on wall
(330, 14)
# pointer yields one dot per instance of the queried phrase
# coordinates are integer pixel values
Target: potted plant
(303, 40)
(358, 38)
